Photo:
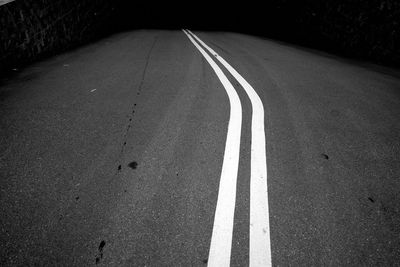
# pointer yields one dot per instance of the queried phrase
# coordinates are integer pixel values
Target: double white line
(221, 240)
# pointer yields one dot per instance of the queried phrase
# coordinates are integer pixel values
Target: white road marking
(3, 2)
(93, 90)
(260, 244)
(221, 240)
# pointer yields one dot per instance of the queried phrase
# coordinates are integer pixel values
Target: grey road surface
(111, 154)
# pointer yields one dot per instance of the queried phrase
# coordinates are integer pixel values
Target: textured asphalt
(111, 154)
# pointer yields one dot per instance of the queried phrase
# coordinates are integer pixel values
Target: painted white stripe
(221, 240)
(260, 244)
(3, 2)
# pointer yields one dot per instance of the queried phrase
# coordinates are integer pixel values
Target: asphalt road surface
(147, 149)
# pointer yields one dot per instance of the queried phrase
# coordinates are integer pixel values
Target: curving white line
(260, 244)
(221, 240)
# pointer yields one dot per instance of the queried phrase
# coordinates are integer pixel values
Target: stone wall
(359, 28)
(370, 28)
(31, 29)
(364, 29)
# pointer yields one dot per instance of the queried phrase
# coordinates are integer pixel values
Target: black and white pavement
(179, 148)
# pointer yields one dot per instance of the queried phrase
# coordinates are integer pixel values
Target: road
(112, 155)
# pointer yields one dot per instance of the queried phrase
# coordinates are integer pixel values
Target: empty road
(173, 148)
